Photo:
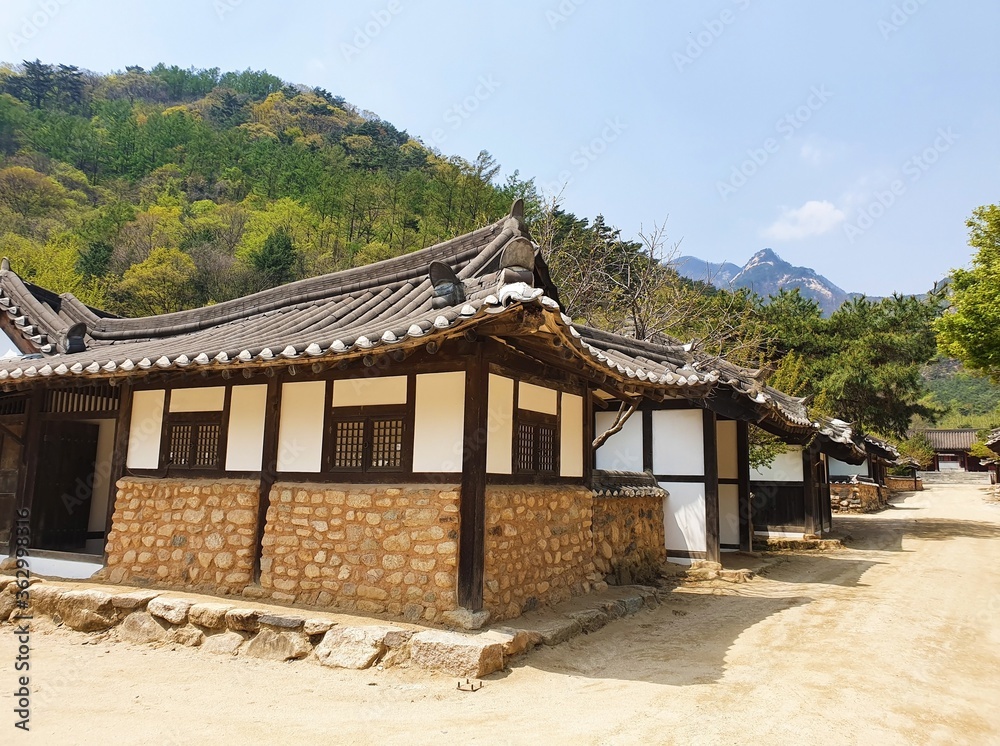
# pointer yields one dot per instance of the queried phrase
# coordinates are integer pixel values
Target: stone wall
(858, 498)
(374, 548)
(193, 533)
(903, 484)
(629, 538)
(539, 547)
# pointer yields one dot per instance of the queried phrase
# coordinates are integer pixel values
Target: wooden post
(119, 457)
(268, 467)
(647, 439)
(29, 458)
(810, 490)
(743, 474)
(589, 454)
(472, 530)
(713, 550)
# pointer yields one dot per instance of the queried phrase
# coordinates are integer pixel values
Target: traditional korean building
(951, 449)
(408, 438)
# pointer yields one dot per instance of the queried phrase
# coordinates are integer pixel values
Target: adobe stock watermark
(585, 156)
(366, 33)
(224, 7)
(457, 114)
(710, 33)
(913, 169)
(900, 16)
(786, 127)
(32, 24)
(562, 12)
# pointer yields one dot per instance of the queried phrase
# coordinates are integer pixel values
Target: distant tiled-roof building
(951, 449)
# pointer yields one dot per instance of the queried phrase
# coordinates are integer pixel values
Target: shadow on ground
(685, 641)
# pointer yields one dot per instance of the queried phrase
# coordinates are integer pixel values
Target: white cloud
(814, 218)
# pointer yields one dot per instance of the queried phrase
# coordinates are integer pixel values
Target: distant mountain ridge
(766, 273)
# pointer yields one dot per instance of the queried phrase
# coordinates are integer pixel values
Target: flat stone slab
(558, 630)
(354, 647)
(134, 600)
(243, 620)
(224, 643)
(457, 654)
(278, 646)
(86, 610)
(140, 628)
(173, 610)
(281, 621)
(210, 616)
(590, 620)
(317, 626)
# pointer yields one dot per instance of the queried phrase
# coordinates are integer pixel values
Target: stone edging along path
(155, 617)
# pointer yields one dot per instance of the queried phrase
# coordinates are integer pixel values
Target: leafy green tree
(970, 329)
(162, 283)
(276, 259)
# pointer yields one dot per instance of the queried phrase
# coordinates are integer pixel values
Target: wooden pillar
(472, 530)
(810, 490)
(589, 454)
(647, 439)
(713, 551)
(268, 466)
(29, 458)
(743, 474)
(119, 457)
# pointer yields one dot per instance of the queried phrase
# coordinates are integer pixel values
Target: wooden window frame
(219, 417)
(537, 421)
(368, 415)
(197, 421)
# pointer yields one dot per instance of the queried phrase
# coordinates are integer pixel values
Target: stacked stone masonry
(380, 549)
(373, 548)
(629, 538)
(194, 533)
(904, 484)
(858, 498)
(539, 547)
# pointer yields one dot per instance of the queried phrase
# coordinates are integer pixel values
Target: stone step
(158, 618)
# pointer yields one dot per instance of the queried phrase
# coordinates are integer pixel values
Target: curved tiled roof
(389, 305)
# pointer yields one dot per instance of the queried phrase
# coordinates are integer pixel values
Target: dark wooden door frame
(29, 457)
(713, 547)
(472, 511)
(743, 476)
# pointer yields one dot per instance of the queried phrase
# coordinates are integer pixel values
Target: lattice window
(348, 444)
(536, 447)
(368, 441)
(387, 443)
(194, 441)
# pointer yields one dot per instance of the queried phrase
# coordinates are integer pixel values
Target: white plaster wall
(300, 430)
(787, 467)
(623, 450)
(439, 422)
(245, 445)
(144, 430)
(537, 398)
(210, 399)
(684, 516)
(729, 467)
(102, 483)
(729, 514)
(500, 423)
(371, 391)
(678, 442)
(840, 469)
(571, 445)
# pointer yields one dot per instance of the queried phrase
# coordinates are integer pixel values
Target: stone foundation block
(457, 654)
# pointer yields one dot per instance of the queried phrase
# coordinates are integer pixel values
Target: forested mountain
(146, 191)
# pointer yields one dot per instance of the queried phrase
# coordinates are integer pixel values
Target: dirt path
(894, 640)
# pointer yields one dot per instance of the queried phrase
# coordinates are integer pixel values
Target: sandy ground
(893, 640)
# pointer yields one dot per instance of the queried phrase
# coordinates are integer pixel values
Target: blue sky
(853, 137)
